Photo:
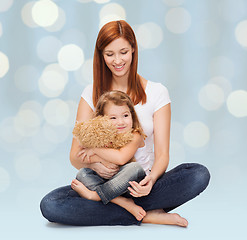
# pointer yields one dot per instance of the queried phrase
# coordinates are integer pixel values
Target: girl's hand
(85, 154)
(143, 188)
(103, 171)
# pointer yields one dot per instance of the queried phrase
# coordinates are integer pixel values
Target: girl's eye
(112, 118)
(126, 115)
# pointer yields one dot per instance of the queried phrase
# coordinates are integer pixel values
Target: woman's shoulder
(88, 88)
(155, 87)
(87, 95)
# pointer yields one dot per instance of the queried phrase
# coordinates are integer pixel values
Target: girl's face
(120, 116)
(118, 57)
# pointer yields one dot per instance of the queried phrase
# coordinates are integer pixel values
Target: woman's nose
(117, 59)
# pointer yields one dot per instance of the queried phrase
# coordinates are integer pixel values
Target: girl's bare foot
(135, 210)
(130, 206)
(159, 216)
(84, 191)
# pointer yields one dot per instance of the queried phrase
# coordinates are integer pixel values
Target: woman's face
(118, 57)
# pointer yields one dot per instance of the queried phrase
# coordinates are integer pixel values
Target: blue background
(197, 49)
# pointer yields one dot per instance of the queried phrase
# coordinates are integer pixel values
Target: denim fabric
(114, 187)
(173, 189)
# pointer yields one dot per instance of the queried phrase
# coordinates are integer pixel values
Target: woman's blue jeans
(174, 188)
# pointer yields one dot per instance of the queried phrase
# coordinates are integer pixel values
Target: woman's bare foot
(84, 191)
(159, 216)
(128, 204)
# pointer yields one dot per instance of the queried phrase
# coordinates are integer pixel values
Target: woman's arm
(116, 156)
(162, 119)
(162, 123)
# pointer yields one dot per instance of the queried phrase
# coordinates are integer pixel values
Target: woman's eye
(109, 55)
(124, 52)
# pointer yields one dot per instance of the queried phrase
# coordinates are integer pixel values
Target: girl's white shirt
(157, 97)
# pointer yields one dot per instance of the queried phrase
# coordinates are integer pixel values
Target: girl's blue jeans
(172, 189)
(114, 187)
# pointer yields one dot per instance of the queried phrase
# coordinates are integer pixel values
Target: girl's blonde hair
(119, 98)
(102, 76)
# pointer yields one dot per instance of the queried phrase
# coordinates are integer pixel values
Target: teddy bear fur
(99, 132)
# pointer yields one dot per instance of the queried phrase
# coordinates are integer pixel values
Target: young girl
(118, 106)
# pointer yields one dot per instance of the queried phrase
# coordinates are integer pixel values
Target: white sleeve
(162, 97)
(87, 95)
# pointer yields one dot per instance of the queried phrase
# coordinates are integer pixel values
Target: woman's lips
(119, 67)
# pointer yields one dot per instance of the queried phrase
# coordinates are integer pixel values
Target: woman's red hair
(102, 76)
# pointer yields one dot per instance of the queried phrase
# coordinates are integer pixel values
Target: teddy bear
(99, 132)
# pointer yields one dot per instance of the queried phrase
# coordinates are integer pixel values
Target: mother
(115, 68)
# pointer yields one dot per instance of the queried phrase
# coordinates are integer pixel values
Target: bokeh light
(102, 1)
(59, 23)
(40, 144)
(211, 97)
(196, 134)
(47, 48)
(44, 13)
(70, 57)
(56, 112)
(221, 66)
(231, 12)
(4, 66)
(237, 103)
(241, 33)
(1, 30)
(173, 3)
(149, 35)
(26, 15)
(26, 78)
(33, 106)
(56, 134)
(177, 153)
(5, 5)
(84, 75)
(27, 122)
(85, 1)
(223, 83)
(8, 132)
(111, 12)
(53, 80)
(207, 33)
(74, 36)
(4, 180)
(28, 166)
(178, 20)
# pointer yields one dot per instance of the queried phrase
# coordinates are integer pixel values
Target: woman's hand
(143, 188)
(104, 171)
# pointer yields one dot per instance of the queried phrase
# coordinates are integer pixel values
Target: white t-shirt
(157, 97)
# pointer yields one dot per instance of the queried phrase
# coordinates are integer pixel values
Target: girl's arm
(116, 156)
(162, 119)
(84, 113)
